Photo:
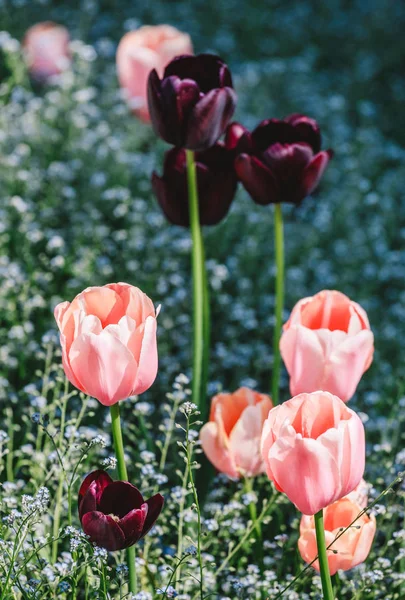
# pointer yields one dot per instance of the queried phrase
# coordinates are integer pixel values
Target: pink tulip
(46, 48)
(352, 548)
(327, 345)
(140, 51)
(231, 438)
(108, 338)
(314, 450)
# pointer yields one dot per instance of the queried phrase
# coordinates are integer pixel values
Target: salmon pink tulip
(231, 438)
(327, 345)
(351, 548)
(314, 450)
(46, 48)
(149, 47)
(113, 513)
(108, 338)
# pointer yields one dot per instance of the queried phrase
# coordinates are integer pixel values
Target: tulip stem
(200, 345)
(279, 252)
(322, 557)
(122, 474)
(207, 337)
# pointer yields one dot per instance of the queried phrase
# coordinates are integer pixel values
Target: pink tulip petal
(303, 356)
(148, 359)
(347, 363)
(215, 451)
(347, 444)
(244, 441)
(104, 367)
(310, 482)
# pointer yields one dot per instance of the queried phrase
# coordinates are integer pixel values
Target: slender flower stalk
(201, 330)
(207, 337)
(279, 254)
(122, 474)
(327, 588)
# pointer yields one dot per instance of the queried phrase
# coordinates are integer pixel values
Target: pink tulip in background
(46, 48)
(314, 450)
(327, 345)
(231, 438)
(352, 548)
(140, 51)
(108, 338)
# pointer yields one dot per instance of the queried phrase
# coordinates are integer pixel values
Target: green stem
(279, 253)
(122, 474)
(207, 338)
(322, 557)
(198, 282)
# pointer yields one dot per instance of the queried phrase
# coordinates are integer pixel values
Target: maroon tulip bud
(216, 182)
(113, 513)
(193, 103)
(280, 161)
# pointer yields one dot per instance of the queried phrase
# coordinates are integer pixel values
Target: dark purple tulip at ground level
(113, 513)
(216, 181)
(193, 103)
(281, 160)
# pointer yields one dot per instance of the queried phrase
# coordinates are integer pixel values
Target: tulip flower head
(231, 438)
(351, 548)
(216, 181)
(327, 345)
(193, 103)
(46, 49)
(281, 160)
(108, 338)
(113, 513)
(314, 450)
(149, 47)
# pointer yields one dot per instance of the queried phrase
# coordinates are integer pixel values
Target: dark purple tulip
(216, 181)
(280, 161)
(113, 513)
(193, 103)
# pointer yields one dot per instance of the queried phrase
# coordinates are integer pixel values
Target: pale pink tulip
(231, 438)
(140, 51)
(314, 450)
(46, 48)
(352, 548)
(327, 345)
(108, 338)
